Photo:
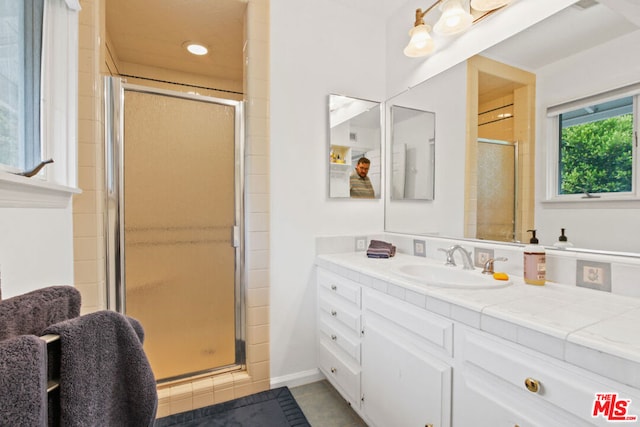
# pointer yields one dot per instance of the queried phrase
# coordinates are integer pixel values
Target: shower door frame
(114, 89)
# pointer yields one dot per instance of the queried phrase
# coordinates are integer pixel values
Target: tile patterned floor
(324, 407)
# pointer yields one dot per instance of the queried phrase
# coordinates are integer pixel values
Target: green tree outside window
(597, 157)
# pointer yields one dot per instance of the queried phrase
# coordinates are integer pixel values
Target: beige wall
(88, 207)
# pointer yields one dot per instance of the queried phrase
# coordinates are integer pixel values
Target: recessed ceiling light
(195, 48)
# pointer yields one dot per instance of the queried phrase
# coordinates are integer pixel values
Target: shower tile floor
(324, 407)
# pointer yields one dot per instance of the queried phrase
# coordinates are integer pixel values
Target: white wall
(36, 249)
(445, 95)
(592, 225)
(317, 48)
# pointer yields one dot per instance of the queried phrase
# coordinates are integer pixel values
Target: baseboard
(298, 378)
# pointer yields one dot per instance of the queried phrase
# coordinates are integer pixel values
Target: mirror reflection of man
(360, 183)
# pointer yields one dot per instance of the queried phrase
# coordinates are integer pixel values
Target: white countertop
(591, 329)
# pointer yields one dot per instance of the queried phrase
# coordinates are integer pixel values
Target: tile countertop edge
(615, 362)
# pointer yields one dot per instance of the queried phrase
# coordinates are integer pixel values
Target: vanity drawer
(341, 312)
(340, 338)
(540, 379)
(434, 332)
(340, 372)
(340, 286)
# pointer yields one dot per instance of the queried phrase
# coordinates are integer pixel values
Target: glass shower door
(179, 244)
(496, 190)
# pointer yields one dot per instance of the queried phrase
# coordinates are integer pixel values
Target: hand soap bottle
(535, 269)
(562, 242)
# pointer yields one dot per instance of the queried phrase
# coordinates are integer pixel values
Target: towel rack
(53, 377)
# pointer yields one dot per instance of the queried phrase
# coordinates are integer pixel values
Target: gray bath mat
(271, 408)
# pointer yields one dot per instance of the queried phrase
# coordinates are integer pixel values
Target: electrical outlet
(482, 255)
(419, 248)
(361, 244)
(593, 275)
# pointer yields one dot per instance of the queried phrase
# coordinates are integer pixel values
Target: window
(38, 101)
(595, 146)
(20, 59)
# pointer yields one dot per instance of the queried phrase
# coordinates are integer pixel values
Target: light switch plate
(593, 275)
(482, 255)
(361, 244)
(419, 248)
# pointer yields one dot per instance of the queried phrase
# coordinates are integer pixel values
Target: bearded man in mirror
(360, 184)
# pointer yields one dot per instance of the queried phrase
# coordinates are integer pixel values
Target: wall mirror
(354, 135)
(413, 137)
(579, 52)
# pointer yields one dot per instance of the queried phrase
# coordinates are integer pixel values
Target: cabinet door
(402, 386)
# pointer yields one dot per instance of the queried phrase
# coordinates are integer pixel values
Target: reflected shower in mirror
(354, 147)
(412, 153)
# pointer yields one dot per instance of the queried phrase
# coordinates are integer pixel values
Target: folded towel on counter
(105, 376)
(31, 313)
(380, 249)
(23, 381)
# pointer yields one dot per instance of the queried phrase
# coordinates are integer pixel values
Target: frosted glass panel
(179, 171)
(496, 192)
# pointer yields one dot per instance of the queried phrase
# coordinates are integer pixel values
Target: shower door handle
(235, 236)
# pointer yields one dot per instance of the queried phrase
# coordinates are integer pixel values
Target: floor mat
(271, 408)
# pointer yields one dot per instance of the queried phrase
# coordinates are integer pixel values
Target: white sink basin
(450, 277)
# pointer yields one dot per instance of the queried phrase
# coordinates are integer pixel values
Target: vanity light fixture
(195, 48)
(456, 17)
(487, 5)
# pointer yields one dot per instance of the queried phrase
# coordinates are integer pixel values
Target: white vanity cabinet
(500, 383)
(400, 364)
(406, 364)
(390, 360)
(339, 329)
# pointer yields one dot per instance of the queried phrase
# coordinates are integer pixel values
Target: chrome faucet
(488, 266)
(467, 262)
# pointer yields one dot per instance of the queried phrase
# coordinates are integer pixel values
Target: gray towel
(23, 381)
(105, 376)
(31, 313)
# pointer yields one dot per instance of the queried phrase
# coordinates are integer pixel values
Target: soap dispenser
(562, 242)
(535, 269)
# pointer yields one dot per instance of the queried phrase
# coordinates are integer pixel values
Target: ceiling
(154, 36)
(572, 30)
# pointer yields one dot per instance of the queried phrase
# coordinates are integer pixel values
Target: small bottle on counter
(535, 269)
(562, 242)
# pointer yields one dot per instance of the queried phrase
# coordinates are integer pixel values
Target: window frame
(553, 153)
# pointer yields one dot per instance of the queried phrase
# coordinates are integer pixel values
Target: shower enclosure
(174, 224)
(497, 184)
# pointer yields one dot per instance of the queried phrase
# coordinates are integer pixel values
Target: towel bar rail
(53, 376)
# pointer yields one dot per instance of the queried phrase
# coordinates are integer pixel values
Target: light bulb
(454, 19)
(196, 48)
(421, 43)
(487, 5)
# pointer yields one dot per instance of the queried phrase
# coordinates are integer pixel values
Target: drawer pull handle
(334, 313)
(334, 370)
(334, 288)
(334, 338)
(532, 385)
